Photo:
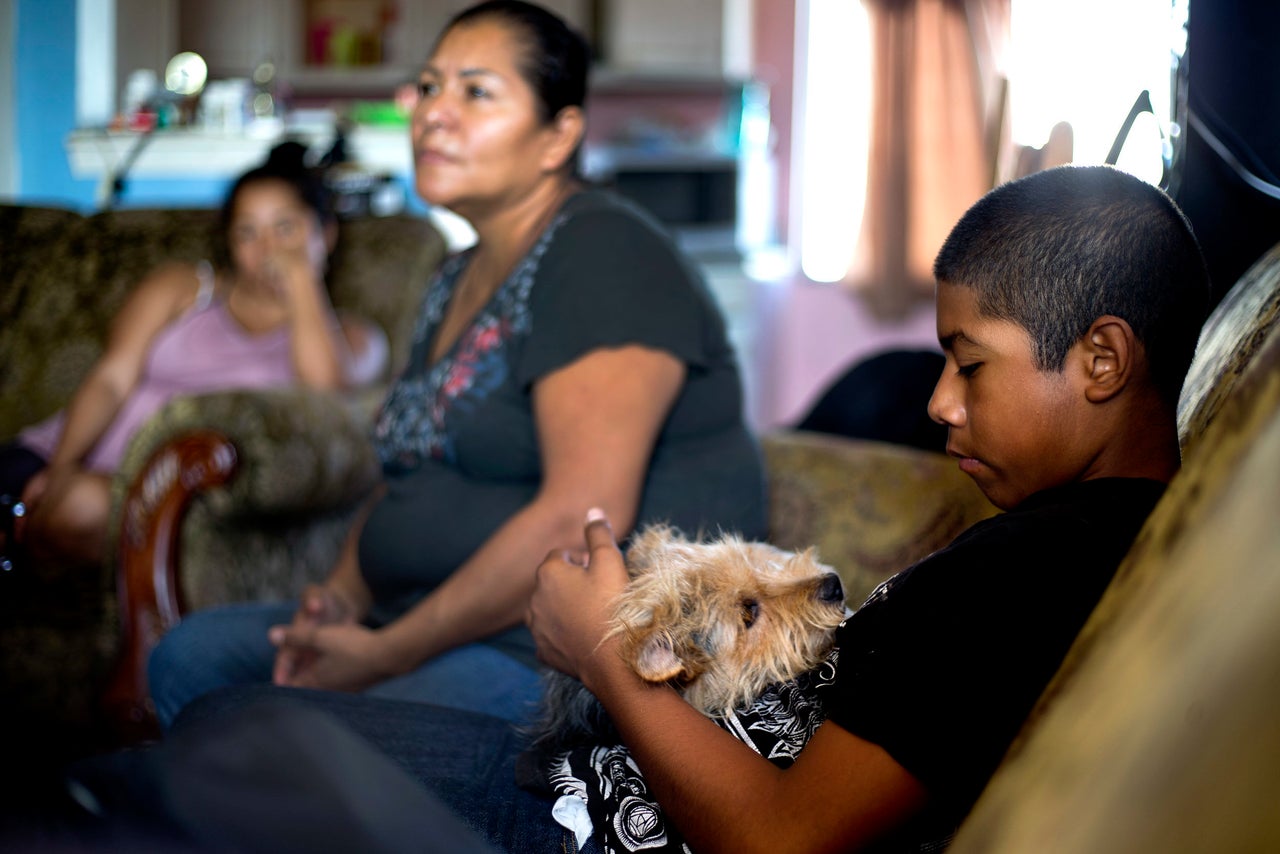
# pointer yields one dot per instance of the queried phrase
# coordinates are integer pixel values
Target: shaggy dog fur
(720, 621)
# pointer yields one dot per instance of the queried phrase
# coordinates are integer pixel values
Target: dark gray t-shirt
(458, 439)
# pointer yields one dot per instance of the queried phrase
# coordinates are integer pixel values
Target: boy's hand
(572, 602)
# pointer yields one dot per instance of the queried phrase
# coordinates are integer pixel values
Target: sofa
(246, 495)
(1158, 733)
(290, 466)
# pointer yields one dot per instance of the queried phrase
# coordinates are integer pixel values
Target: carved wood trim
(149, 572)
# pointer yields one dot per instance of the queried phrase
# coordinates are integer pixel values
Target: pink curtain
(937, 127)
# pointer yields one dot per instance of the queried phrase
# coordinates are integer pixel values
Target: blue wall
(44, 102)
(44, 73)
(44, 59)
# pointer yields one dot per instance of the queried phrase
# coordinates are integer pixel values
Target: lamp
(184, 79)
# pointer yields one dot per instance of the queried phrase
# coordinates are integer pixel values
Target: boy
(1069, 305)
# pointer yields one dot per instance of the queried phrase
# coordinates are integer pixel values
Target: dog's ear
(656, 660)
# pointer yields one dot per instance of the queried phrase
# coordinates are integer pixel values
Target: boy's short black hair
(1058, 249)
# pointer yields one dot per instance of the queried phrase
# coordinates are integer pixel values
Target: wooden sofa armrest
(225, 497)
(148, 588)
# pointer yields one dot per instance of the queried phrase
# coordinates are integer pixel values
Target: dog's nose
(831, 590)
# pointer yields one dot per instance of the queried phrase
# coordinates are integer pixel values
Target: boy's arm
(841, 793)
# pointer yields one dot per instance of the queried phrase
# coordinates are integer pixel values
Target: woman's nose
(432, 112)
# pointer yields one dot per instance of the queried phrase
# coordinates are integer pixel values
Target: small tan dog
(720, 620)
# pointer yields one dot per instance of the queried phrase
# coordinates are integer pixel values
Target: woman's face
(270, 223)
(478, 136)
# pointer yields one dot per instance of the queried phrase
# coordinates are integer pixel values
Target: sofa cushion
(50, 335)
(871, 508)
(1231, 336)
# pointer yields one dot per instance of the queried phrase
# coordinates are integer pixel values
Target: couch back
(64, 275)
(1160, 732)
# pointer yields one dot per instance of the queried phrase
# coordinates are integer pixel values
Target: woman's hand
(293, 275)
(299, 645)
(572, 604)
(51, 480)
(339, 656)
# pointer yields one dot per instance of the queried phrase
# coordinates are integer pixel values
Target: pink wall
(806, 334)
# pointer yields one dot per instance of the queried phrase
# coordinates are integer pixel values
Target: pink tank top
(204, 350)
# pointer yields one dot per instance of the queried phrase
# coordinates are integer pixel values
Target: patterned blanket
(624, 816)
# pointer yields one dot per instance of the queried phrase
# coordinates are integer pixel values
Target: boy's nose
(945, 406)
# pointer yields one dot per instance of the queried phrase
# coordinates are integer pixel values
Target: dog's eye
(750, 610)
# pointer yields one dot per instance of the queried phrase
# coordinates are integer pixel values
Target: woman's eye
(477, 92)
(969, 369)
(427, 89)
(286, 229)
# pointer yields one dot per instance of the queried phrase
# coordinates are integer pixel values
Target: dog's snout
(831, 590)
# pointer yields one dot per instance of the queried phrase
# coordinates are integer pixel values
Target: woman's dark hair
(285, 163)
(556, 57)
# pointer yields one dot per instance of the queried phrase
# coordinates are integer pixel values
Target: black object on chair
(885, 398)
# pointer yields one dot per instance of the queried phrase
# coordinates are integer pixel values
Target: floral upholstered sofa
(290, 466)
(1159, 733)
(245, 495)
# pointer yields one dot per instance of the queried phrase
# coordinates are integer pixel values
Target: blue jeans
(262, 768)
(462, 762)
(225, 646)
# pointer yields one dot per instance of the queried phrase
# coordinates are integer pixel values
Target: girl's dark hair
(556, 57)
(285, 163)
(1058, 249)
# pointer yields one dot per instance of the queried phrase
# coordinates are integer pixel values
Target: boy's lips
(969, 465)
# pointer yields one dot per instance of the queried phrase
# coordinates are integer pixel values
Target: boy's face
(1011, 425)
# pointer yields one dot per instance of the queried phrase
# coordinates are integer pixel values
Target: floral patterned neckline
(415, 420)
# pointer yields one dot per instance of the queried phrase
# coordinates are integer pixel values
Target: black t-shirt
(945, 660)
(458, 438)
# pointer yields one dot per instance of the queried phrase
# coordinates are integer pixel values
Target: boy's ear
(1110, 350)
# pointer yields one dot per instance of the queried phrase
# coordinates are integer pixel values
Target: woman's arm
(343, 599)
(328, 351)
(841, 793)
(368, 350)
(598, 419)
(154, 303)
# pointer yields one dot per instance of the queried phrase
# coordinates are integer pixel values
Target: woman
(264, 320)
(570, 358)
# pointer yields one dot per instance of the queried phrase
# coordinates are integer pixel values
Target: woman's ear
(1110, 350)
(565, 133)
